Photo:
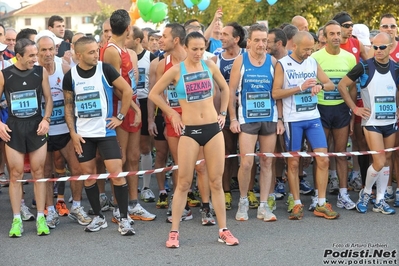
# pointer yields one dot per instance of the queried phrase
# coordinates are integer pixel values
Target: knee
(246, 163)
(323, 162)
(293, 165)
(183, 185)
(201, 168)
(266, 162)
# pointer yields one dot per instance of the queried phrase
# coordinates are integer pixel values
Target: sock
(316, 193)
(343, 190)
(296, 202)
(205, 205)
(60, 199)
(355, 174)
(93, 196)
(222, 230)
(372, 176)
(75, 204)
(244, 198)
(146, 164)
(382, 182)
(133, 203)
(163, 191)
(333, 173)
(22, 202)
(321, 201)
(389, 189)
(263, 204)
(18, 216)
(122, 196)
(50, 208)
(39, 214)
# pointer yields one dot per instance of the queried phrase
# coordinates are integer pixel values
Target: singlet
(353, 47)
(301, 106)
(214, 44)
(58, 125)
(255, 92)
(195, 86)
(93, 104)
(144, 70)
(171, 94)
(379, 95)
(395, 53)
(336, 67)
(23, 91)
(225, 65)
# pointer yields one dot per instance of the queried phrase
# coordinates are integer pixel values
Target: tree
(99, 17)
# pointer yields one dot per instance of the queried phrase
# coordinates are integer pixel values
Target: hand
(114, 122)
(177, 123)
(280, 127)
(152, 129)
(316, 89)
(4, 129)
(309, 83)
(221, 120)
(43, 128)
(77, 139)
(362, 112)
(351, 125)
(218, 14)
(68, 56)
(137, 119)
(235, 126)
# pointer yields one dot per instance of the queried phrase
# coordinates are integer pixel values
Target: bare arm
(69, 105)
(235, 77)
(224, 89)
(134, 59)
(324, 79)
(111, 56)
(4, 129)
(44, 125)
(342, 87)
(208, 32)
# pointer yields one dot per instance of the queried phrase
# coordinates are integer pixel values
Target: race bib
(172, 96)
(304, 101)
(88, 105)
(24, 103)
(333, 95)
(385, 107)
(141, 83)
(133, 81)
(198, 86)
(58, 113)
(258, 104)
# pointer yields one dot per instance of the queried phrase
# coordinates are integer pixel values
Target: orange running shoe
(62, 208)
(173, 241)
(297, 212)
(227, 237)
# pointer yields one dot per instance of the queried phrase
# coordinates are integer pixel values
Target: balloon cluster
(148, 11)
(271, 2)
(201, 4)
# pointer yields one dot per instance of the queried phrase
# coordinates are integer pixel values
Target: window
(87, 20)
(67, 22)
(28, 22)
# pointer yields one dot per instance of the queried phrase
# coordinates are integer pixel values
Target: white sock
(382, 182)
(162, 191)
(262, 204)
(296, 202)
(321, 201)
(146, 164)
(17, 216)
(39, 214)
(355, 174)
(372, 176)
(75, 204)
(343, 190)
(333, 173)
(50, 208)
(60, 199)
(316, 193)
(389, 189)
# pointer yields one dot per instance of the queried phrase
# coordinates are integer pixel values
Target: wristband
(234, 119)
(300, 87)
(354, 110)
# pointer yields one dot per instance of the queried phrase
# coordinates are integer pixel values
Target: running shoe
(279, 189)
(227, 237)
(116, 217)
(139, 213)
(61, 208)
(325, 211)
(333, 186)
(41, 226)
(396, 203)
(147, 195)
(192, 201)
(52, 219)
(252, 200)
(271, 202)
(242, 212)
(173, 241)
(104, 203)
(296, 213)
(362, 203)
(389, 197)
(228, 200)
(304, 187)
(4, 180)
(313, 205)
(344, 201)
(169, 211)
(383, 207)
(187, 215)
(265, 214)
(290, 202)
(78, 214)
(96, 224)
(207, 217)
(234, 186)
(125, 228)
(16, 228)
(26, 215)
(33, 204)
(162, 202)
(355, 183)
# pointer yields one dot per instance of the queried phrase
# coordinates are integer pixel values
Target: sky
(16, 3)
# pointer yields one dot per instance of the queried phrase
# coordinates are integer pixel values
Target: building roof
(60, 7)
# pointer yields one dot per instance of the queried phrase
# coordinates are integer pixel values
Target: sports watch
(120, 116)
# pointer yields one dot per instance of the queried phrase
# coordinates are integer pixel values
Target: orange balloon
(136, 13)
(133, 1)
(132, 18)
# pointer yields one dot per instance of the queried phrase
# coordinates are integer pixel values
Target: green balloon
(195, 2)
(145, 6)
(145, 17)
(158, 12)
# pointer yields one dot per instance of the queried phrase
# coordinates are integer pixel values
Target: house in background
(77, 14)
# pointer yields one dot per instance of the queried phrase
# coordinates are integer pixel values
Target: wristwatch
(120, 116)
(48, 119)
(321, 84)
(223, 113)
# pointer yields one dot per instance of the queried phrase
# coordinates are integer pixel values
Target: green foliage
(99, 17)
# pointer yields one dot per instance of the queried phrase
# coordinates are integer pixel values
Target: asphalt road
(284, 242)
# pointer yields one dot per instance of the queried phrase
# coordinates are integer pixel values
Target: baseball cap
(50, 34)
(3, 47)
(155, 33)
(362, 33)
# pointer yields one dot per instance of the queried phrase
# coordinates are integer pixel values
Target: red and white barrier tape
(175, 167)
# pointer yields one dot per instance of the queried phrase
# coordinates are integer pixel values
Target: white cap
(3, 47)
(362, 33)
(50, 34)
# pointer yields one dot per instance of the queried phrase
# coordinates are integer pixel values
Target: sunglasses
(381, 47)
(387, 26)
(347, 26)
